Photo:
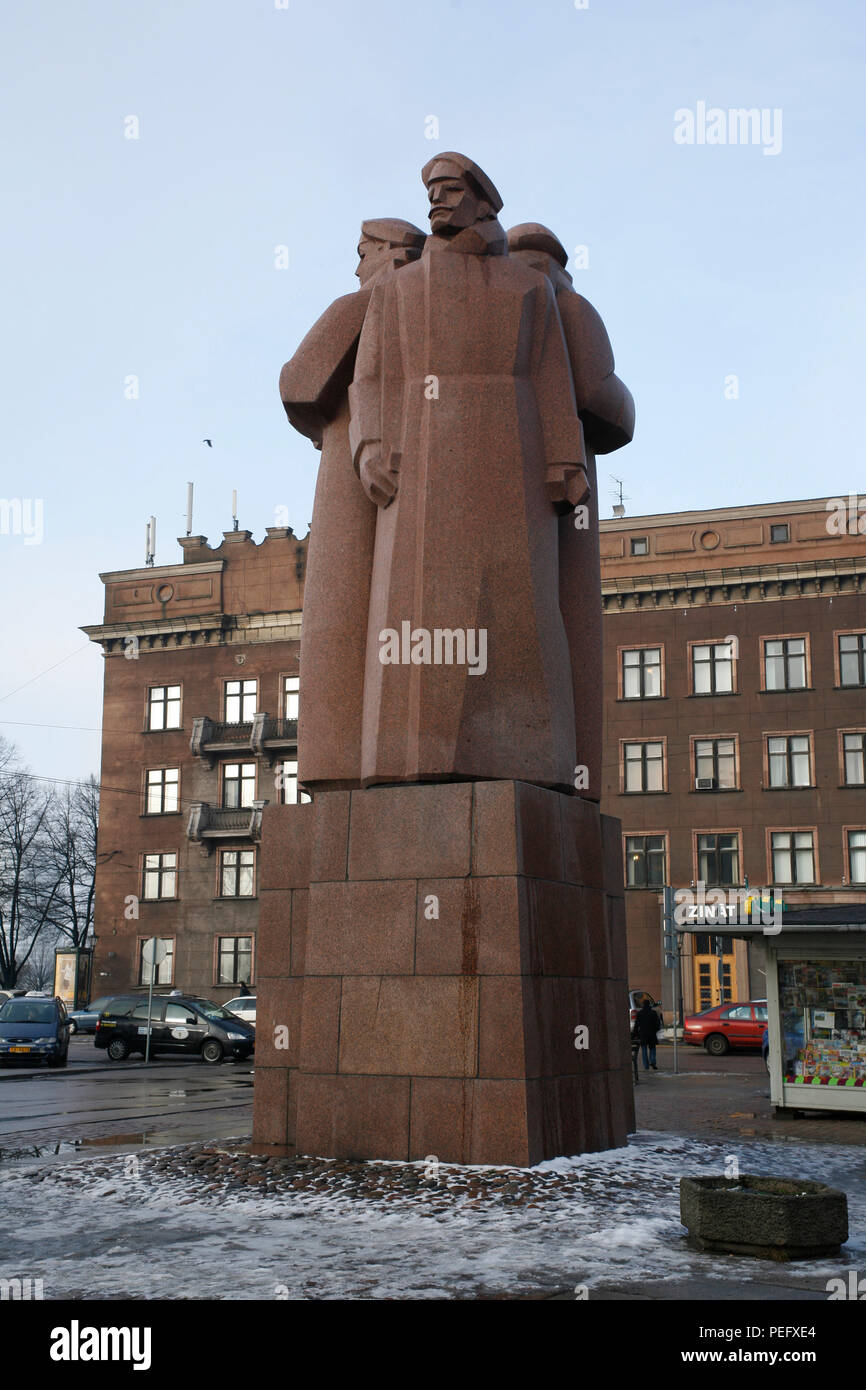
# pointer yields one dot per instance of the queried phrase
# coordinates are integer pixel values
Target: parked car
(727, 1026)
(83, 1020)
(244, 1006)
(34, 1030)
(10, 994)
(178, 1024)
(636, 998)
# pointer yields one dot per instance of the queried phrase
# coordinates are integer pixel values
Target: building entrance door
(711, 990)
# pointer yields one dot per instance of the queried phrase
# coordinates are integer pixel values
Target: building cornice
(705, 515)
(737, 584)
(198, 630)
(151, 572)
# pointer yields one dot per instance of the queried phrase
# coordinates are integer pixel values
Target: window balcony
(208, 823)
(263, 736)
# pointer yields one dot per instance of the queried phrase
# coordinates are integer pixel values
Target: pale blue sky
(262, 126)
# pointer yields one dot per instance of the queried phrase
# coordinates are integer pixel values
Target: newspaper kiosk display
(822, 1013)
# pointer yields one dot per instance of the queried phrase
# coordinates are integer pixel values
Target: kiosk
(816, 997)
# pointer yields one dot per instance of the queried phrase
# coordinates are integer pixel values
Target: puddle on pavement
(69, 1148)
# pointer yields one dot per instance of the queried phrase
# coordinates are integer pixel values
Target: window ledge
(801, 787)
(793, 690)
(234, 898)
(158, 815)
(714, 791)
(712, 694)
(662, 793)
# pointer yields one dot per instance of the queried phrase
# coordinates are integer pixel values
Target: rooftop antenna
(619, 505)
(150, 541)
(189, 492)
(234, 509)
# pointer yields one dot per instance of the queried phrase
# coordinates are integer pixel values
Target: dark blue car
(34, 1030)
(765, 1047)
(84, 1020)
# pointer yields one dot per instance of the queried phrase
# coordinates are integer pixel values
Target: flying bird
(208, 442)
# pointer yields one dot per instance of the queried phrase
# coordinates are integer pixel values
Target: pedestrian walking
(646, 1027)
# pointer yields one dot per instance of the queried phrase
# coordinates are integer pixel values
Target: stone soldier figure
(313, 387)
(465, 433)
(606, 409)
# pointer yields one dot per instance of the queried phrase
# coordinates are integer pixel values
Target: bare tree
(38, 970)
(71, 831)
(29, 877)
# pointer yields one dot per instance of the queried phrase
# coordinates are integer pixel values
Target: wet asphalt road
(94, 1104)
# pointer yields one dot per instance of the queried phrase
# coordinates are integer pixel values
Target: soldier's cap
(450, 165)
(532, 236)
(394, 231)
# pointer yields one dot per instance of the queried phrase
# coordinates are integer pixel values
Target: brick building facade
(199, 733)
(735, 718)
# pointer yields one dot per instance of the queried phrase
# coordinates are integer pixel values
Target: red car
(727, 1026)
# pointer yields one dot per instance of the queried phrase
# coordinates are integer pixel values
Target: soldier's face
(453, 205)
(373, 255)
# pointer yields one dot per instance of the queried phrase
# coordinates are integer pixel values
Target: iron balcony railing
(207, 823)
(264, 736)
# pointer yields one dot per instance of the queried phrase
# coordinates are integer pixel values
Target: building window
(789, 761)
(239, 785)
(852, 658)
(719, 859)
(642, 673)
(644, 861)
(713, 668)
(234, 960)
(857, 856)
(715, 764)
(780, 533)
(286, 782)
(237, 873)
(854, 755)
(162, 791)
(643, 767)
(785, 663)
(291, 695)
(159, 974)
(163, 707)
(793, 856)
(241, 699)
(160, 876)
(639, 545)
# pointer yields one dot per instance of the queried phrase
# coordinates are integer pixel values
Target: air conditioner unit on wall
(704, 784)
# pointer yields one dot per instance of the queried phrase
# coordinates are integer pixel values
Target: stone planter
(771, 1218)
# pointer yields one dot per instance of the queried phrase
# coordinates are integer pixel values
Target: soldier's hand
(567, 486)
(379, 479)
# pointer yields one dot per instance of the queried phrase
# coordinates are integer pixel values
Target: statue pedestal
(442, 971)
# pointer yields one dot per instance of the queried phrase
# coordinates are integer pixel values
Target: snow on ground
(100, 1229)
